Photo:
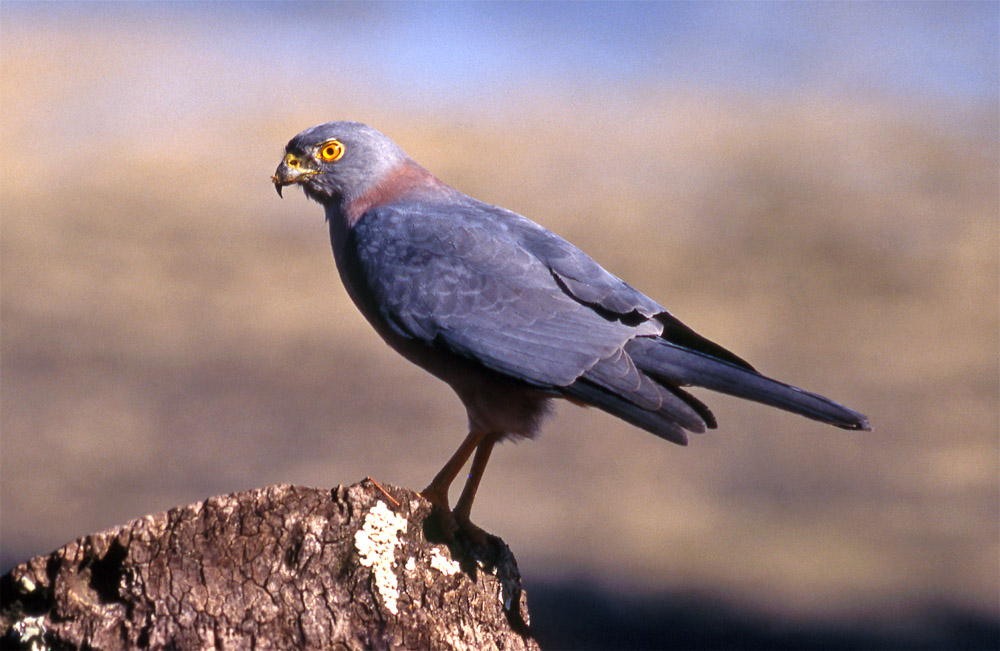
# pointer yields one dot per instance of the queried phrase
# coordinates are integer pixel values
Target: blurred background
(813, 185)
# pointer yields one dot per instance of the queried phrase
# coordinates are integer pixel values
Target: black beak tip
(277, 185)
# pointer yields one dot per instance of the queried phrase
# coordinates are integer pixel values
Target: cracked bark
(278, 568)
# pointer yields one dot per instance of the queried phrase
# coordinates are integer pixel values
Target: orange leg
(437, 492)
(464, 507)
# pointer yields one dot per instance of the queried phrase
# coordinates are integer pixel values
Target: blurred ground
(171, 330)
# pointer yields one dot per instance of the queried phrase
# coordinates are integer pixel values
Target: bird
(506, 312)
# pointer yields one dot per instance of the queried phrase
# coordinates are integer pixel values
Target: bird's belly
(494, 402)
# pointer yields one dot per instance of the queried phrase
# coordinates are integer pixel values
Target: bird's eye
(331, 151)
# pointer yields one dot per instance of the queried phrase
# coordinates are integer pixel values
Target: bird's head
(337, 161)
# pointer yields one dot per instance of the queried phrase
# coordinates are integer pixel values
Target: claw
(476, 535)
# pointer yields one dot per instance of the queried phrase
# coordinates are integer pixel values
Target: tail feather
(661, 422)
(676, 365)
(697, 405)
(618, 376)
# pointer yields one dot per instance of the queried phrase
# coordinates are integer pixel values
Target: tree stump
(283, 567)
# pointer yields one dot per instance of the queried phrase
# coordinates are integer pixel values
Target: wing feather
(490, 286)
(464, 279)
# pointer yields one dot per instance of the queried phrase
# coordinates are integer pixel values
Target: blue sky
(942, 49)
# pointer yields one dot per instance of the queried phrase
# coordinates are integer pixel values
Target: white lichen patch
(443, 565)
(411, 564)
(31, 632)
(376, 544)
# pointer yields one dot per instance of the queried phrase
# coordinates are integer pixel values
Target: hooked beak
(290, 171)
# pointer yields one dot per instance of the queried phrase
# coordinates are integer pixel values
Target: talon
(446, 522)
(476, 535)
(440, 511)
(449, 525)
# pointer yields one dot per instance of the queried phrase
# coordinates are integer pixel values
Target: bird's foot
(476, 535)
(441, 511)
(446, 522)
(455, 526)
(452, 522)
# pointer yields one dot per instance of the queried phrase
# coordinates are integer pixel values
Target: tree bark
(283, 567)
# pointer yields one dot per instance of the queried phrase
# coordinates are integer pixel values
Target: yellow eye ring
(331, 150)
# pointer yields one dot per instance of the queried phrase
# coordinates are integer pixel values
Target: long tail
(642, 385)
(676, 365)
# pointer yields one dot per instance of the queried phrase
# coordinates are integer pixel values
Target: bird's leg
(464, 507)
(437, 492)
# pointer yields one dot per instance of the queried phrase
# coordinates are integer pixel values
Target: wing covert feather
(464, 279)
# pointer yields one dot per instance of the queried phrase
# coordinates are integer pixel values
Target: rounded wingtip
(849, 420)
(861, 424)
